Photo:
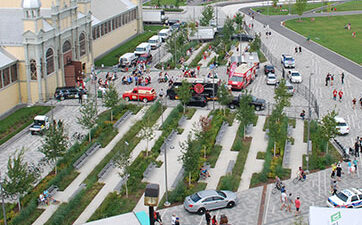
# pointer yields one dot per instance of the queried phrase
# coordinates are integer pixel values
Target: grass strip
(18, 120)
(284, 9)
(165, 3)
(112, 58)
(67, 213)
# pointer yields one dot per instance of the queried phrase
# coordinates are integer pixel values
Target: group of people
(330, 79)
(298, 48)
(213, 221)
(45, 198)
(340, 94)
(287, 202)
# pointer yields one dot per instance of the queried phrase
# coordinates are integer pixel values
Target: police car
(348, 198)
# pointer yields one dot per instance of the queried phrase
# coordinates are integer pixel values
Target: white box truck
(127, 60)
(164, 34)
(154, 16)
(155, 41)
(143, 48)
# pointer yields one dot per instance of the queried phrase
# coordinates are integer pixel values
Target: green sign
(336, 217)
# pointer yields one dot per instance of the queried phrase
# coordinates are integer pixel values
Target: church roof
(5, 58)
(106, 9)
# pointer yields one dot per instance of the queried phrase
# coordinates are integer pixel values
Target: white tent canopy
(334, 216)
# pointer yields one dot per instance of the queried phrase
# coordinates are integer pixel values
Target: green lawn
(112, 58)
(17, 121)
(350, 6)
(165, 2)
(330, 32)
(285, 9)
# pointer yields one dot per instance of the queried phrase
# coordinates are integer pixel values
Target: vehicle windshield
(140, 49)
(124, 60)
(289, 59)
(271, 76)
(342, 196)
(236, 78)
(195, 197)
(152, 41)
(295, 74)
(39, 122)
(341, 124)
(222, 194)
(162, 34)
(269, 67)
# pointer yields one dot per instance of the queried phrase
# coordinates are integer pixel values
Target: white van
(127, 59)
(164, 34)
(143, 48)
(155, 41)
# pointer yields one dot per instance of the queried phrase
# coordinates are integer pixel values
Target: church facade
(46, 44)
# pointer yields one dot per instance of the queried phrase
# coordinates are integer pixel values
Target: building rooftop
(102, 11)
(5, 58)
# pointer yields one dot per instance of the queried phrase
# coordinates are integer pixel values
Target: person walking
(354, 101)
(177, 222)
(339, 172)
(355, 163)
(334, 187)
(334, 94)
(349, 166)
(342, 77)
(157, 217)
(332, 79)
(297, 206)
(207, 217)
(340, 94)
(296, 50)
(214, 221)
(173, 219)
(327, 79)
(300, 49)
(283, 200)
(289, 202)
(360, 102)
(80, 97)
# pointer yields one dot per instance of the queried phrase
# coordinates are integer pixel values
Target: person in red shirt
(297, 206)
(334, 94)
(340, 93)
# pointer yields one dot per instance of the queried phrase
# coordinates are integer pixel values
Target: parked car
(197, 100)
(242, 37)
(155, 41)
(40, 124)
(144, 94)
(342, 126)
(269, 69)
(288, 61)
(209, 200)
(143, 48)
(347, 198)
(258, 103)
(294, 76)
(145, 58)
(127, 60)
(62, 93)
(271, 79)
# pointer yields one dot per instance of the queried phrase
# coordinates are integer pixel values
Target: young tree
(55, 143)
(111, 99)
(88, 116)
(190, 156)
(123, 162)
(282, 97)
(238, 19)
(246, 112)
(300, 6)
(224, 97)
(184, 94)
(147, 132)
(328, 127)
(255, 45)
(228, 30)
(177, 3)
(19, 178)
(207, 15)
(275, 3)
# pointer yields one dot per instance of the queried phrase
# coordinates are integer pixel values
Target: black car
(269, 69)
(258, 103)
(62, 93)
(197, 101)
(242, 37)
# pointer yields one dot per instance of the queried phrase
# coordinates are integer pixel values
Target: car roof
(126, 55)
(287, 56)
(339, 119)
(40, 117)
(207, 193)
(164, 30)
(143, 44)
(348, 192)
(143, 88)
(271, 74)
(154, 37)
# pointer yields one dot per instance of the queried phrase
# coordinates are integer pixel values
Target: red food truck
(241, 76)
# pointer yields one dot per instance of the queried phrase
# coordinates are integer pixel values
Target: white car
(347, 198)
(288, 61)
(294, 76)
(271, 79)
(342, 126)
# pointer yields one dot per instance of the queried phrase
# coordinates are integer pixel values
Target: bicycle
(297, 179)
(277, 188)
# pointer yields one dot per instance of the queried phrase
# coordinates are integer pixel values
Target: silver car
(209, 200)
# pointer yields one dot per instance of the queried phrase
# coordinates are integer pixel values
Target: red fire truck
(241, 76)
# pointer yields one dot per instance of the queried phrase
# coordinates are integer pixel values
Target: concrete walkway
(205, 62)
(113, 178)
(174, 164)
(298, 149)
(258, 144)
(87, 168)
(194, 54)
(225, 156)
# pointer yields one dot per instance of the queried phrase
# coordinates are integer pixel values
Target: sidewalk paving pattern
(225, 156)
(173, 162)
(194, 54)
(258, 144)
(298, 149)
(87, 168)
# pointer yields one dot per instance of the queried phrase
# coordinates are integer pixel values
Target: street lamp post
(309, 146)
